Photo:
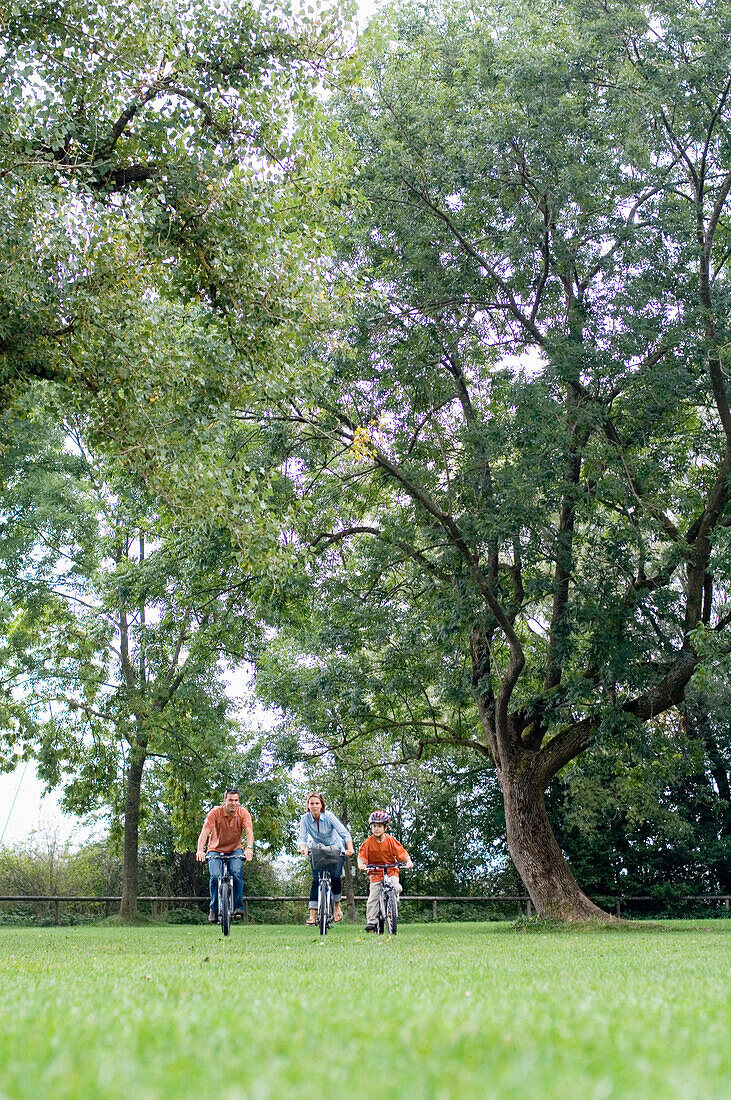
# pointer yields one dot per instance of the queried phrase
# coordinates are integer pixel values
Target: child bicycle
(387, 920)
(325, 860)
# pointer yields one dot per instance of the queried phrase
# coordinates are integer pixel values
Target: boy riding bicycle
(380, 848)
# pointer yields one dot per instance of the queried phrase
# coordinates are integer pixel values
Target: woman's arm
(302, 835)
(344, 834)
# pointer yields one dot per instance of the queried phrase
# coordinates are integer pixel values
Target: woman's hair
(315, 794)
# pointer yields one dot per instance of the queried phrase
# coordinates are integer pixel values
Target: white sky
(24, 811)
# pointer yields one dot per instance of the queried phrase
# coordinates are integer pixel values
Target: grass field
(442, 1011)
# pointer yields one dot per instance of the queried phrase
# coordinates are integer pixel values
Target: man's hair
(315, 794)
(231, 790)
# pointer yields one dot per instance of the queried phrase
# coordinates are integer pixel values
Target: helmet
(379, 817)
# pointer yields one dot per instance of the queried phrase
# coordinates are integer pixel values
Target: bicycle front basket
(325, 857)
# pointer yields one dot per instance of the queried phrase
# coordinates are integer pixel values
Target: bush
(192, 915)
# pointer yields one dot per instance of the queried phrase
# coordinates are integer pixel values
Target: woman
(319, 826)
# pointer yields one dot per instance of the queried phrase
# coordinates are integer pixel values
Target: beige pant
(373, 894)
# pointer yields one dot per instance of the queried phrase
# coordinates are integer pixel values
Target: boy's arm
(403, 855)
(362, 856)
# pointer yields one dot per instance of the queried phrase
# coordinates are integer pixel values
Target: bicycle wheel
(382, 913)
(391, 921)
(225, 905)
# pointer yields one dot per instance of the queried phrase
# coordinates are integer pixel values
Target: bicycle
(325, 860)
(387, 899)
(225, 893)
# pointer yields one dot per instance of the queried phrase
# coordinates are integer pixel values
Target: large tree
(158, 153)
(518, 480)
(163, 204)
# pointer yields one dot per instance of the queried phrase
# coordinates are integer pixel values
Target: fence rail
(156, 900)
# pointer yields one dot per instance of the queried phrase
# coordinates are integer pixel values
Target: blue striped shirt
(326, 830)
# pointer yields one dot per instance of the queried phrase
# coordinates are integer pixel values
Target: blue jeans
(337, 884)
(215, 870)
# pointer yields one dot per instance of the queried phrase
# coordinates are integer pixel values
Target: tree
(123, 647)
(120, 122)
(48, 531)
(164, 203)
(444, 806)
(517, 481)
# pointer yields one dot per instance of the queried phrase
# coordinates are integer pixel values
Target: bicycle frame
(387, 899)
(225, 893)
(324, 903)
(325, 913)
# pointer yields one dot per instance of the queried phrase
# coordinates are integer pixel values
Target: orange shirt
(387, 850)
(226, 831)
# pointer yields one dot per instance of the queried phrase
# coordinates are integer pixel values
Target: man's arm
(249, 830)
(200, 854)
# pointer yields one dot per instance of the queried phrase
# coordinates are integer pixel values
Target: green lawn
(460, 1010)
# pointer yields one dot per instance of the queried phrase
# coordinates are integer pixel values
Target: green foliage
(43, 866)
(166, 199)
(643, 812)
(116, 647)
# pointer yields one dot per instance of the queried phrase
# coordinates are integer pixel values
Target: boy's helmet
(379, 817)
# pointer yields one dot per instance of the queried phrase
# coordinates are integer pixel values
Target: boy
(380, 847)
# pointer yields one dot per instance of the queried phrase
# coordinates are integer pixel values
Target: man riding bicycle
(222, 830)
(380, 848)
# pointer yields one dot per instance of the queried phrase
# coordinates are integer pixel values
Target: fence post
(246, 910)
(725, 904)
(56, 906)
(434, 909)
(528, 908)
(619, 907)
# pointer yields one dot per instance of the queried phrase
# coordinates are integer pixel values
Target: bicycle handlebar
(386, 866)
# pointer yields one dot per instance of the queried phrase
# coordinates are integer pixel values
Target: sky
(24, 810)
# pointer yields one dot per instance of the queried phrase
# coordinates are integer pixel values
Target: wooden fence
(159, 904)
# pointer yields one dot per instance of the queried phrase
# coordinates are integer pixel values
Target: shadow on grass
(541, 926)
(138, 920)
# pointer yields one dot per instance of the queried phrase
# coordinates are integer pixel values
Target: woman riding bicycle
(319, 826)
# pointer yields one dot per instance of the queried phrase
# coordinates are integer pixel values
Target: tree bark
(133, 790)
(349, 888)
(348, 875)
(536, 854)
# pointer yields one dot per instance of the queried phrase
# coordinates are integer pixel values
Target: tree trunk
(348, 872)
(349, 888)
(538, 859)
(135, 768)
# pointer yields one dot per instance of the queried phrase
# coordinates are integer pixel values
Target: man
(222, 831)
